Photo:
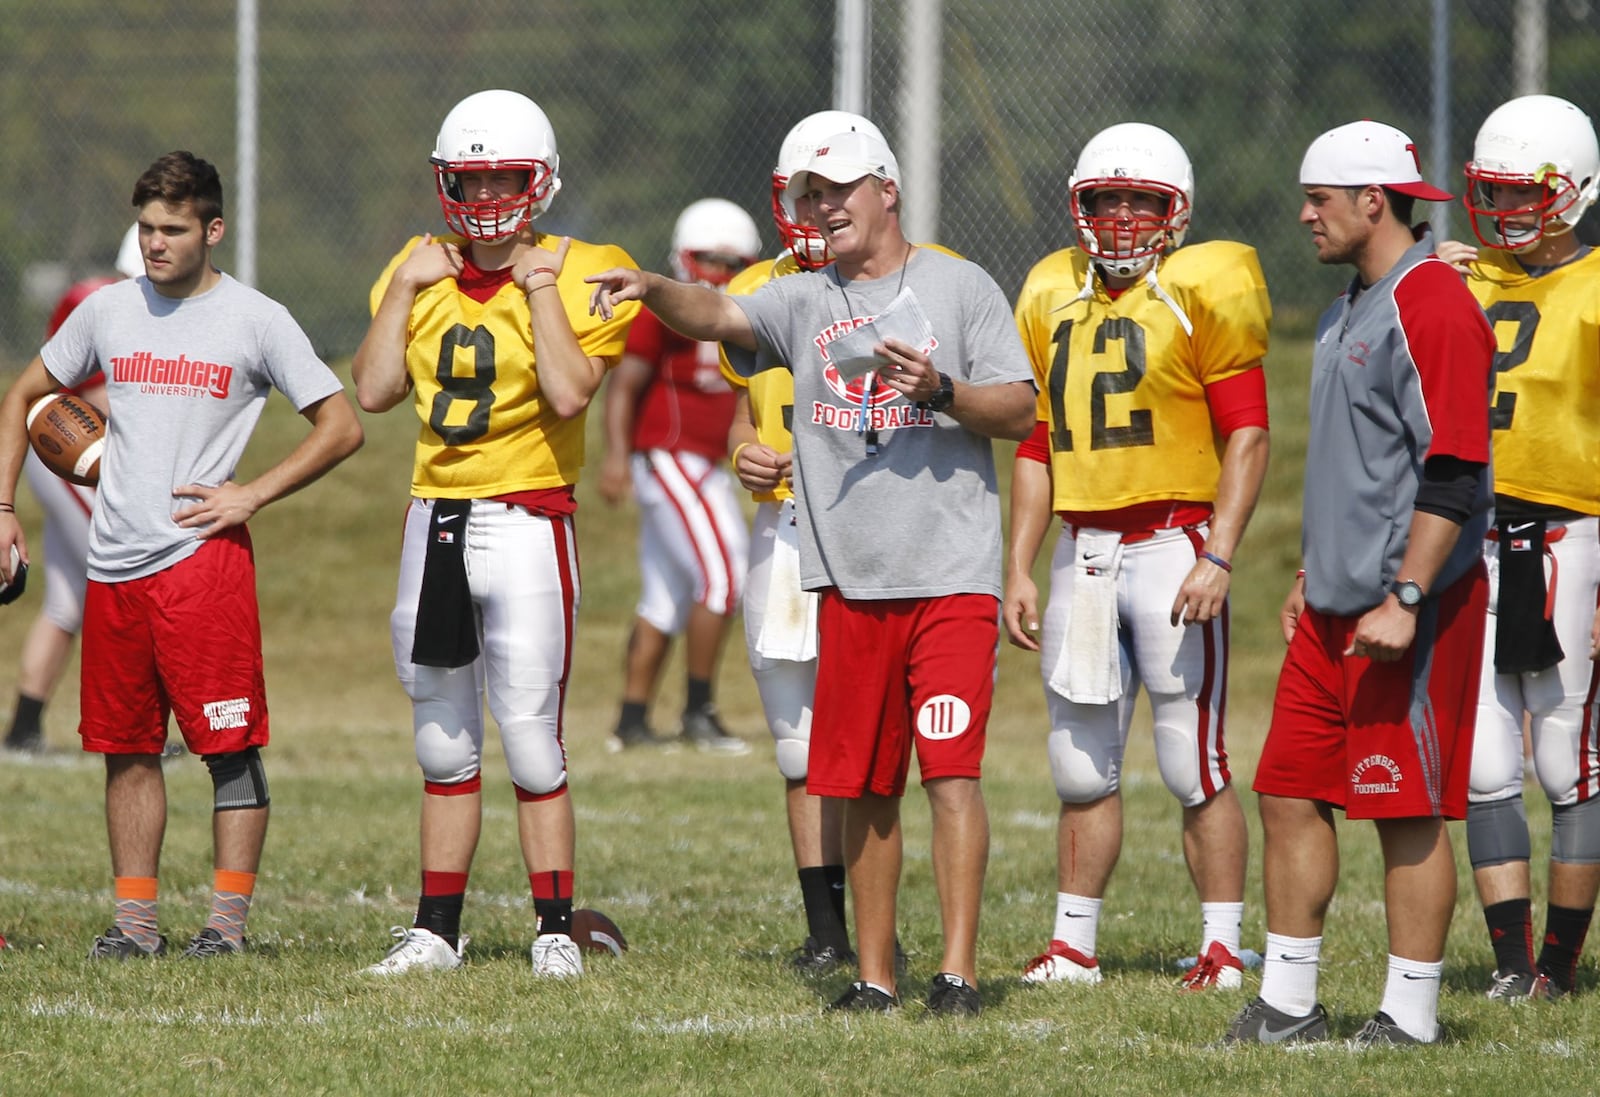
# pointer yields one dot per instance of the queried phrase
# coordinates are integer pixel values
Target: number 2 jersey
(1546, 378)
(1122, 381)
(487, 430)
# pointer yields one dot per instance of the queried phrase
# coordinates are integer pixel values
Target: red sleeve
(72, 299)
(1238, 401)
(1036, 447)
(1453, 347)
(645, 335)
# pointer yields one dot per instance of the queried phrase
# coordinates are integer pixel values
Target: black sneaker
(1259, 1023)
(863, 997)
(813, 958)
(1511, 986)
(208, 943)
(26, 744)
(703, 729)
(1381, 1031)
(1546, 989)
(628, 736)
(116, 945)
(952, 996)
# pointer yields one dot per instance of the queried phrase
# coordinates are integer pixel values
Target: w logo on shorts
(943, 716)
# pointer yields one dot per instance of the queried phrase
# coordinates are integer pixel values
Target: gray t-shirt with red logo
(186, 381)
(921, 517)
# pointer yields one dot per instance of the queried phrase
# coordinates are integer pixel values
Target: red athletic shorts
(887, 668)
(1380, 740)
(186, 641)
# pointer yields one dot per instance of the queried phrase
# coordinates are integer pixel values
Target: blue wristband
(1217, 560)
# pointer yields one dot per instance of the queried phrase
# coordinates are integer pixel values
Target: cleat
(952, 996)
(628, 736)
(208, 943)
(1061, 963)
(703, 729)
(27, 744)
(1218, 969)
(1381, 1031)
(1259, 1023)
(812, 958)
(116, 945)
(1511, 986)
(1546, 989)
(556, 956)
(418, 948)
(863, 997)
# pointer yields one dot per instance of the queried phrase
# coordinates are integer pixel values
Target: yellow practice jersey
(771, 391)
(486, 429)
(1122, 382)
(1546, 413)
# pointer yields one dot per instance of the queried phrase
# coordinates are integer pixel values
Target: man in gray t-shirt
(900, 526)
(171, 626)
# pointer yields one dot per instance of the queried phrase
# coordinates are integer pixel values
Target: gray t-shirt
(921, 518)
(186, 381)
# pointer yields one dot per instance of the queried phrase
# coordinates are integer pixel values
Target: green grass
(690, 855)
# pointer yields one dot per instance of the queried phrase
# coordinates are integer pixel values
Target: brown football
(69, 435)
(594, 932)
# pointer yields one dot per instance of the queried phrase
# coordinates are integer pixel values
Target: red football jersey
(688, 406)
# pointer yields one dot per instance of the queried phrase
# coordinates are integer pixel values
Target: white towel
(789, 618)
(1088, 667)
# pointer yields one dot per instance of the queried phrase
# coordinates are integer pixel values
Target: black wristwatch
(1408, 592)
(941, 400)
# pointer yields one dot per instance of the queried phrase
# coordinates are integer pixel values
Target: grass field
(689, 854)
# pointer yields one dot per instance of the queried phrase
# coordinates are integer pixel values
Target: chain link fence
(655, 105)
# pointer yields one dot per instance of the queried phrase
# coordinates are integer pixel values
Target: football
(594, 932)
(69, 435)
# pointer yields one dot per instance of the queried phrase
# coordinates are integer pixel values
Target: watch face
(1409, 593)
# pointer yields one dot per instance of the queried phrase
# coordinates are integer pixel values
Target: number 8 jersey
(486, 428)
(1122, 382)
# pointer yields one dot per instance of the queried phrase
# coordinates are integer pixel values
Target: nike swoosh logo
(1270, 1035)
(443, 518)
(1519, 528)
(1070, 914)
(1414, 977)
(1286, 958)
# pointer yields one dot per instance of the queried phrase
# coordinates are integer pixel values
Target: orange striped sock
(230, 903)
(136, 910)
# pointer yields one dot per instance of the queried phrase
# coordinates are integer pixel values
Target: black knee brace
(239, 779)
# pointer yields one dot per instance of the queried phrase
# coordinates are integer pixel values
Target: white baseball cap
(844, 158)
(1364, 154)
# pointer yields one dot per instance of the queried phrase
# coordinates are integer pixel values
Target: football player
(1535, 169)
(486, 331)
(1145, 354)
(667, 411)
(66, 509)
(171, 625)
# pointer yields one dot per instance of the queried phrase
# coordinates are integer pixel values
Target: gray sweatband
(1497, 832)
(1575, 833)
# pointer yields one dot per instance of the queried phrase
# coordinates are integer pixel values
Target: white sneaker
(1061, 963)
(556, 956)
(418, 948)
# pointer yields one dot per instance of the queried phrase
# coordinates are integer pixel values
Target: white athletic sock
(1221, 922)
(1411, 996)
(1289, 974)
(1077, 921)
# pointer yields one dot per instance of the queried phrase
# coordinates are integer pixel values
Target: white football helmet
(713, 228)
(130, 260)
(1531, 141)
(495, 131)
(805, 241)
(1132, 156)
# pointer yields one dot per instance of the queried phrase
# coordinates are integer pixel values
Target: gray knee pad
(1575, 833)
(239, 780)
(1497, 832)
